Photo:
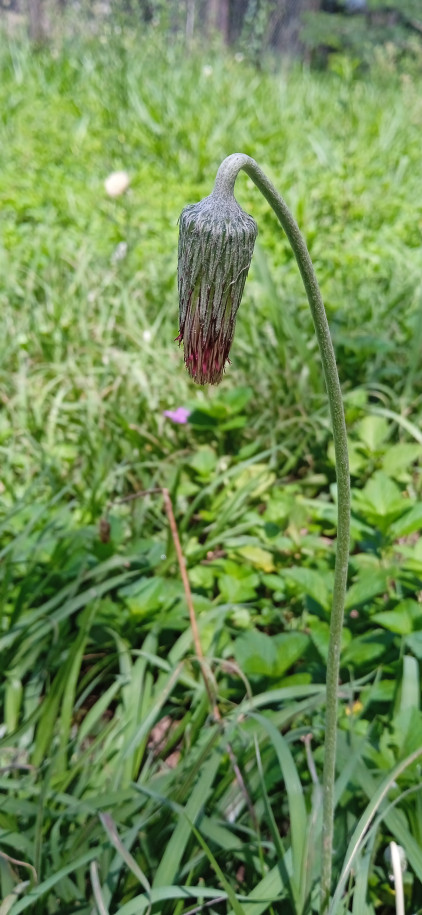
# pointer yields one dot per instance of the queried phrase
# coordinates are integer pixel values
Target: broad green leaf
(395, 621)
(290, 647)
(320, 635)
(373, 431)
(408, 524)
(367, 648)
(414, 642)
(315, 584)
(201, 576)
(399, 458)
(381, 501)
(236, 590)
(369, 583)
(204, 461)
(258, 558)
(236, 398)
(402, 421)
(145, 595)
(262, 655)
(202, 419)
(256, 653)
(403, 619)
(238, 422)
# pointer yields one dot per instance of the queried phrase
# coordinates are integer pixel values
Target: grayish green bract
(216, 242)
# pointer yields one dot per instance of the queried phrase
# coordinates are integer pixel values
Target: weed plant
(118, 789)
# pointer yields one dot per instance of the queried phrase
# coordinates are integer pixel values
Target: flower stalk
(211, 281)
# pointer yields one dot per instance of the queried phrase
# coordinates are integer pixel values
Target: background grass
(118, 786)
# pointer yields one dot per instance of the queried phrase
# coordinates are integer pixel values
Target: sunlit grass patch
(104, 712)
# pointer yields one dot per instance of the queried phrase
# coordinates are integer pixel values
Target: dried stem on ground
(209, 681)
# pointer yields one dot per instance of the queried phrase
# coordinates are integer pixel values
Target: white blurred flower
(119, 252)
(147, 336)
(117, 183)
(395, 850)
(207, 70)
(239, 57)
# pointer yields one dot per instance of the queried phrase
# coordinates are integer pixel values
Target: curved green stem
(226, 177)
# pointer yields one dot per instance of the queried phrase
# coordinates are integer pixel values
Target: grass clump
(118, 785)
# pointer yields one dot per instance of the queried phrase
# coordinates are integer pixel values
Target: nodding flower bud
(216, 242)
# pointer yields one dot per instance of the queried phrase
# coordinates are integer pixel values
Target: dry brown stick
(198, 648)
(206, 673)
(189, 602)
(185, 580)
(20, 864)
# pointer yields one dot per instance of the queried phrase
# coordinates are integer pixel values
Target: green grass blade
(297, 809)
(43, 888)
(268, 892)
(360, 891)
(175, 848)
(96, 889)
(162, 894)
(364, 822)
(111, 830)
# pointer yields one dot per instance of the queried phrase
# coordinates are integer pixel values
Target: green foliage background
(362, 36)
(114, 776)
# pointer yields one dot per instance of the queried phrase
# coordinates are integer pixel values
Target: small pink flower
(180, 415)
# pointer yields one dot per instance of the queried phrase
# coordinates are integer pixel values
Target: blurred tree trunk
(287, 22)
(218, 18)
(36, 22)
(281, 20)
(190, 21)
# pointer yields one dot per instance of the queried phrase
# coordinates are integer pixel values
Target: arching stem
(226, 177)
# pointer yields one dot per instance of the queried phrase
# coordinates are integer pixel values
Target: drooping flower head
(216, 242)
